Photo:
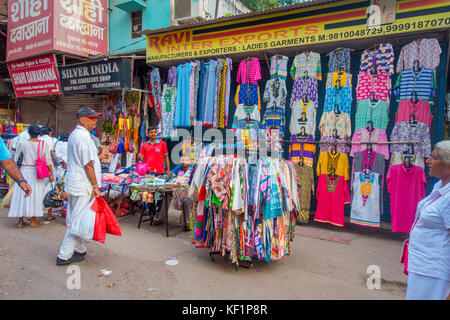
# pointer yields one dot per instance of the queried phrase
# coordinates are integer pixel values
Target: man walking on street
(83, 178)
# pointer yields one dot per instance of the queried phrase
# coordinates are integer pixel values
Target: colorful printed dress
(365, 209)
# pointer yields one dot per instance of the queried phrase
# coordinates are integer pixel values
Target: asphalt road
(327, 262)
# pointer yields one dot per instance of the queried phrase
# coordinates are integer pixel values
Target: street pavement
(327, 262)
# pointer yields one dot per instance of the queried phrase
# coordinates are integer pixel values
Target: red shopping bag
(108, 218)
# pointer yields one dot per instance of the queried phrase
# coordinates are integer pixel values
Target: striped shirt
(278, 66)
(274, 117)
(423, 83)
(297, 149)
(307, 65)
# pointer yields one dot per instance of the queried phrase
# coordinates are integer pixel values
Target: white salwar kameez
(32, 205)
(81, 150)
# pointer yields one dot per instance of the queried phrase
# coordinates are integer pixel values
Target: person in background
(183, 167)
(30, 206)
(429, 239)
(46, 136)
(23, 136)
(180, 197)
(59, 155)
(97, 143)
(154, 153)
(83, 178)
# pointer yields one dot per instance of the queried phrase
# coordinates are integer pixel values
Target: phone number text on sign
(385, 30)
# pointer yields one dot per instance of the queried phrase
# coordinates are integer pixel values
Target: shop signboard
(37, 76)
(97, 76)
(81, 26)
(78, 27)
(30, 28)
(331, 22)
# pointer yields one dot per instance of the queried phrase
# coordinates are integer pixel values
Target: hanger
(335, 135)
(306, 76)
(336, 109)
(302, 134)
(369, 126)
(414, 99)
(416, 66)
(374, 46)
(412, 120)
(373, 99)
(367, 171)
(369, 149)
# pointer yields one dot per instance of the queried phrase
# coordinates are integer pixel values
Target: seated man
(154, 153)
(183, 167)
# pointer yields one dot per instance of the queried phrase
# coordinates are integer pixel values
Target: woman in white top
(60, 155)
(31, 206)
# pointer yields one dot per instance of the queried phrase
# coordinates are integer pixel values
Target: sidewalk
(327, 262)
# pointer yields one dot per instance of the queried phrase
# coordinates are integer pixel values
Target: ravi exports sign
(104, 75)
(79, 27)
(36, 76)
(339, 21)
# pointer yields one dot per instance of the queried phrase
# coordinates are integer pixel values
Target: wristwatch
(20, 181)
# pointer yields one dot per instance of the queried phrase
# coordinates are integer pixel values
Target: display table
(166, 193)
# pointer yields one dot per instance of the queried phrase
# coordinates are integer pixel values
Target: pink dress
(406, 187)
(421, 111)
(331, 197)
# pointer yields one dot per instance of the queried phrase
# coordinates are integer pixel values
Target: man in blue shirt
(11, 168)
(183, 167)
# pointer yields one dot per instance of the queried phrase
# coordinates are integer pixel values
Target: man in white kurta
(83, 178)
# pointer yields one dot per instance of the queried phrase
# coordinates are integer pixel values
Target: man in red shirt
(154, 153)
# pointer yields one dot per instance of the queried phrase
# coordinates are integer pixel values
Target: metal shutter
(68, 106)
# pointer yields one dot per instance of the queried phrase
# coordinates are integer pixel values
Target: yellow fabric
(341, 169)
(335, 77)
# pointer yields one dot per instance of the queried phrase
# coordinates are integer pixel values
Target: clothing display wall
(312, 122)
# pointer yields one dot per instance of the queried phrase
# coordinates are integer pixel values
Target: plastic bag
(7, 199)
(111, 223)
(94, 221)
(84, 223)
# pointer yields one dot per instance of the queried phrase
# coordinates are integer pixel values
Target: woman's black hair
(64, 137)
(34, 131)
(45, 130)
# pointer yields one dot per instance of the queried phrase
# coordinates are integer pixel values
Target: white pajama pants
(72, 242)
(422, 287)
(117, 157)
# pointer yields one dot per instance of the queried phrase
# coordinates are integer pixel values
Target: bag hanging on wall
(41, 165)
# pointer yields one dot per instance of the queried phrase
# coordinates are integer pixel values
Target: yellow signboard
(345, 20)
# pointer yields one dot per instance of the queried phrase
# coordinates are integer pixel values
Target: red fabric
(105, 221)
(330, 205)
(154, 155)
(100, 226)
(404, 258)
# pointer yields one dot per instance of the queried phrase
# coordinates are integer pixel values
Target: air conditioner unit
(190, 11)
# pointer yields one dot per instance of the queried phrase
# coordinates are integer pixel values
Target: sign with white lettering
(78, 27)
(36, 76)
(30, 28)
(103, 75)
